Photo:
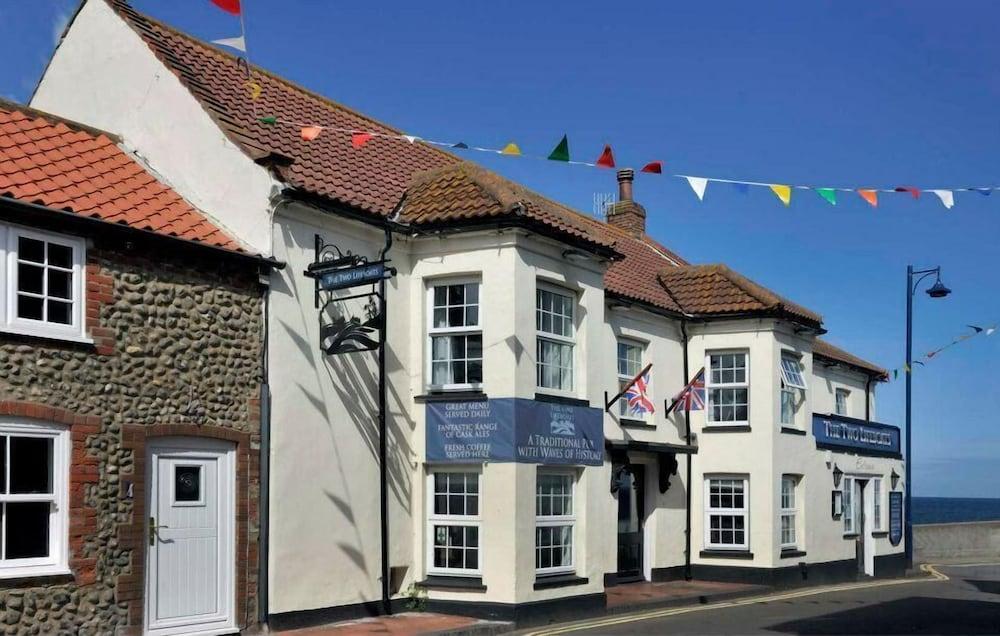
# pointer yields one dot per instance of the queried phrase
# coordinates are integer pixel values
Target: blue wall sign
(839, 432)
(895, 517)
(352, 276)
(514, 430)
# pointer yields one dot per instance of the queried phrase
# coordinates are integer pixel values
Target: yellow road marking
(642, 616)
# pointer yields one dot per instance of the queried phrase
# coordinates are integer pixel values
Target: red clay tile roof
(823, 349)
(716, 290)
(65, 166)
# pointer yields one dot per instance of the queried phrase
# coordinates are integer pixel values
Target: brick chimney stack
(626, 213)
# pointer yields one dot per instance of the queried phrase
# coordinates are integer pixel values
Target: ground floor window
(789, 512)
(33, 473)
(849, 512)
(877, 503)
(454, 522)
(555, 522)
(726, 513)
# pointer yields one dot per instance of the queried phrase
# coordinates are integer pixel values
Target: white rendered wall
(105, 76)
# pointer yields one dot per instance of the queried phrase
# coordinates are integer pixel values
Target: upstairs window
(456, 337)
(840, 406)
(629, 366)
(42, 278)
(792, 382)
(34, 468)
(728, 389)
(555, 339)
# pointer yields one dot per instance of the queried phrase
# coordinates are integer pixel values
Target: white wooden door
(190, 535)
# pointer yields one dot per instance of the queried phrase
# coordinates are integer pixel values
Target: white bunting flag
(947, 197)
(698, 184)
(410, 138)
(239, 43)
(989, 332)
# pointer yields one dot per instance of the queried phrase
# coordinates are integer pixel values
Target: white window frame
(789, 510)
(709, 385)
(453, 520)
(731, 512)
(558, 339)
(58, 560)
(558, 521)
(465, 330)
(623, 379)
(837, 394)
(791, 381)
(877, 508)
(9, 321)
(848, 506)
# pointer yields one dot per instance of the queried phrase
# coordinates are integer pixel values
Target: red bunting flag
(229, 6)
(914, 192)
(871, 196)
(359, 139)
(654, 167)
(310, 132)
(607, 159)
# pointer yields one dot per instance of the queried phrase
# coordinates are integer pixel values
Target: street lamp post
(937, 290)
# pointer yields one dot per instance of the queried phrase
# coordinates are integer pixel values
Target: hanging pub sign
(514, 430)
(351, 322)
(895, 518)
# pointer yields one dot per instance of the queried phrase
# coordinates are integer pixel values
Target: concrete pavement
(951, 600)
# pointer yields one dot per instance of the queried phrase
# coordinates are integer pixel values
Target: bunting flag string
(310, 131)
(976, 331)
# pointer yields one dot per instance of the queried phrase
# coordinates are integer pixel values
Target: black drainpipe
(868, 399)
(382, 428)
(265, 471)
(687, 440)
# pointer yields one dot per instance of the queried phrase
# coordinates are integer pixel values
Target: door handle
(153, 535)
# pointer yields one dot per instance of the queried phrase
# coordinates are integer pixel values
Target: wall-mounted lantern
(837, 474)
(894, 478)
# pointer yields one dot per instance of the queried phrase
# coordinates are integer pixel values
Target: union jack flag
(636, 395)
(692, 396)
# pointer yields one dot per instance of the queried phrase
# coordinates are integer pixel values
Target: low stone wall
(957, 542)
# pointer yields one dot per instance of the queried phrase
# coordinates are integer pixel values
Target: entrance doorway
(631, 493)
(190, 559)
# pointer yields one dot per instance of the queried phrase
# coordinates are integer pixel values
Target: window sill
(560, 399)
(792, 431)
(548, 581)
(450, 582)
(726, 428)
(42, 334)
(880, 534)
(461, 395)
(630, 423)
(787, 553)
(851, 535)
(33, 576)
(716, 553)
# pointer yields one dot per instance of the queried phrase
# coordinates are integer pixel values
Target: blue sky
(845, 93)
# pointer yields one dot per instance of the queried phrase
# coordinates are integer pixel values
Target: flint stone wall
(177, 342)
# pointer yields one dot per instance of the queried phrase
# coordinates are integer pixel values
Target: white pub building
(511, 489)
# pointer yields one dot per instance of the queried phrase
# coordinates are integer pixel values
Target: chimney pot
(625, 178)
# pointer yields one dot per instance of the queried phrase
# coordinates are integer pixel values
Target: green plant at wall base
(416, 598)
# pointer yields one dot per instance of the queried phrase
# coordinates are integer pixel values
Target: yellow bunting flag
(783, 192)
(871, 196)
(511, 149)
(254, 89)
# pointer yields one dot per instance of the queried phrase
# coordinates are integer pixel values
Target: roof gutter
(35, 210)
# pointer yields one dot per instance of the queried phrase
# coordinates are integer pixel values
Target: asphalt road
(968, 603)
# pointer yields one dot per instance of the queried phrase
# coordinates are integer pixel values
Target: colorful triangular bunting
(269, 120)
(914, 192)
(698, 184)
(607, 158)
(238, 43)
(511, 149)
(871, 196)
(983, 191)
(947, 197)
(410, 138)
(783, 192)
(461, 145)
(310, 132)
(561, 151)
(229, 6)
(360, 139)
(742, 188)
(653, 167)
(829, 194)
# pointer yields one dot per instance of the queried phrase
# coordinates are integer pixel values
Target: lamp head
(938, 289)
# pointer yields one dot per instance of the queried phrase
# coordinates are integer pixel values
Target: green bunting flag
(829, 194)
(561, 152)
(268, 120)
